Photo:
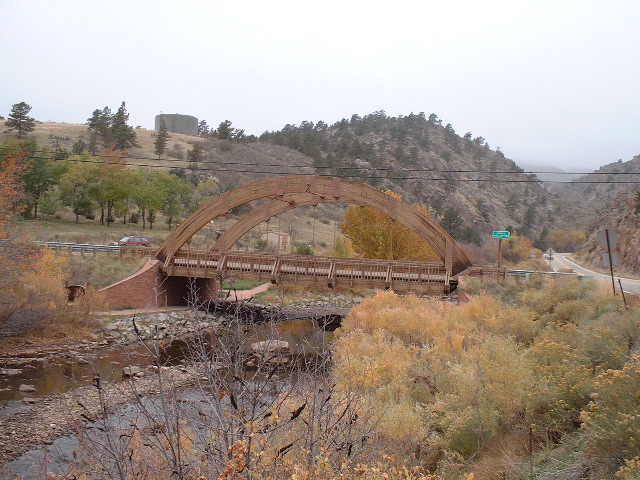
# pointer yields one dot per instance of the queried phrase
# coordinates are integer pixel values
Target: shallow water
(53, 375)
(58, 375)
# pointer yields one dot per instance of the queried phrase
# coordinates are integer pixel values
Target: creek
(52, 374)
(58, 373)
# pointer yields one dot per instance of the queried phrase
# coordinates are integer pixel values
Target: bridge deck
(405, 276)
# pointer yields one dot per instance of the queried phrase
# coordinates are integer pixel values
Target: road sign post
(550, 258)
(500, 235)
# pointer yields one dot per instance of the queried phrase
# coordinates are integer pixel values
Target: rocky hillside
(622, 215)
(432, 165)
(598, 188)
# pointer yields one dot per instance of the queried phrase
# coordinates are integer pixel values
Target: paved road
(560, 260)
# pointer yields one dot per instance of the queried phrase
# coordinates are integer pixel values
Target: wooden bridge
(401, 276)
(177, 271)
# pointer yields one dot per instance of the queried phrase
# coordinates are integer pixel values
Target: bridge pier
(150, 287)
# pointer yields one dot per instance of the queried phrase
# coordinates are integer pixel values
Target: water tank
(177, 123)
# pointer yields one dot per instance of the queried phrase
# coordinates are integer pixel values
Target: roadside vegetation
(535, 381)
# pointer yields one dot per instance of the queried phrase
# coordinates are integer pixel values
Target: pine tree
(20, 120)
(225, 130)
(99, 128)
(122, 134)
(162, 138)
(203, 128)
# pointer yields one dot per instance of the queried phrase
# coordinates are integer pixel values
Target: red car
(133, 242)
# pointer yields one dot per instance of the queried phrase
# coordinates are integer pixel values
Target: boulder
(27, 388)
(273, 353)
(132, 371)
(270, 347)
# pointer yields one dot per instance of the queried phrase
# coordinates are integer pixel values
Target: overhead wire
(49, 155)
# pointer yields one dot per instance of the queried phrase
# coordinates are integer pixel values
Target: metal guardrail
(89, 248)
(500, 274)
(527, 273)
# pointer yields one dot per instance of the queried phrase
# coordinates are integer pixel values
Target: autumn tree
(374, 234)
(20, 120)
(111, 188)
(39, 171)
(148, 194)
(10, 190)
(175, 195)
(517, 248)
(76, 185)
(13, 162)
(162, 138)
(566, 241)
(13, 256)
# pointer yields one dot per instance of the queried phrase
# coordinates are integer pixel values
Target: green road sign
(501, 234)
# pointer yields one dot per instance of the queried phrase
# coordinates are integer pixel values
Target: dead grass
(64, 135)
(504, 457)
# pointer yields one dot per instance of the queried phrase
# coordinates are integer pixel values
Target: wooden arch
(293, 191)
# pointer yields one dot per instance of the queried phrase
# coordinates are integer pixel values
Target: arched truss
(293, 191)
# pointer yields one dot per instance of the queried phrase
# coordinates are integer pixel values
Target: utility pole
(613, 281)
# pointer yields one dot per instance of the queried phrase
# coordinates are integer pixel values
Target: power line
(51, 157)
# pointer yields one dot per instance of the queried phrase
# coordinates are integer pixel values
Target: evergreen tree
(453, 223)
(196, 153)
(99, 128)
(79, 147)
(20, 120)
(203, 128)
(225, 130)
(123, 136)
(434, 120)
(162, 138)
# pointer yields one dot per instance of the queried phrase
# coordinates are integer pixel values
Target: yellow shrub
(612, 419)
(382, 362)
(562, 385)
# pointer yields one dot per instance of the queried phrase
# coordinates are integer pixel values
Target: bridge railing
(307, 269)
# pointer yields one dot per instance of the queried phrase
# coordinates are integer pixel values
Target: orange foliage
(374, 234)
(517, 248)
(10, 190)
(566, 241)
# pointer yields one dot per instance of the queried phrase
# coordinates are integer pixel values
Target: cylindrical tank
(177, 123)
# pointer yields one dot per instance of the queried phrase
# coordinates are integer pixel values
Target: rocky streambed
(48, 392)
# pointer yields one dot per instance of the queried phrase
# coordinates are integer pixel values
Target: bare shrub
(253, 414)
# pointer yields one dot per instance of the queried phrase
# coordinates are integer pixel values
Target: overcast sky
(551, 82)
